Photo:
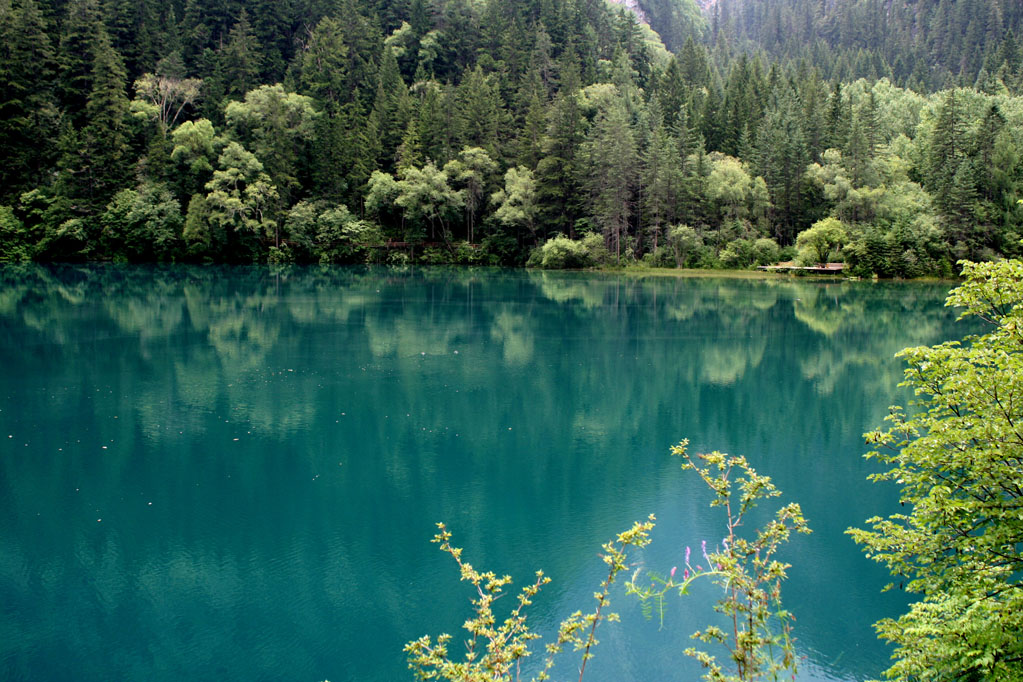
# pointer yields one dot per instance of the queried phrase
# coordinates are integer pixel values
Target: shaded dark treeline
(478, 132)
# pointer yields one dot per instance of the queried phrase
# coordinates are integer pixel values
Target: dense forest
(920, 44)
(884, 133)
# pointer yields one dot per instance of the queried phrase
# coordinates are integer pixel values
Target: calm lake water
(234, 473)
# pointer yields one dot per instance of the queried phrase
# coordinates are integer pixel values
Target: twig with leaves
(495, 651)
(760, 644)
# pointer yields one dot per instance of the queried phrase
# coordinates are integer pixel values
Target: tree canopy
(957, 457)
(744, 122)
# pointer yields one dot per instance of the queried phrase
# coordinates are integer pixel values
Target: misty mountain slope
(924, 44)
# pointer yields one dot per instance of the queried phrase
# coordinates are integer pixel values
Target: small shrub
(737, 253)
(280, 255)
(14, 246)
(469, 254)
(660, 257)
(501, 249)
(596, 250)
(399, 258)
(685, 243)
(765, 251)
(433, 255)
(562, 253)
(759, 645)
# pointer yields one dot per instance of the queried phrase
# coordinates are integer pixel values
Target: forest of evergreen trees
(886, 133)
(925, 45)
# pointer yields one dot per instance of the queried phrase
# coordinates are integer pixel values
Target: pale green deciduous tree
(276, 125)
(426, 197)
(516, 203)
(329, 232)
(822, 238)
(193, 145)
(164, 97)
(14, 242)
(958, 460)
(684, 241)
(382, 192)
(143, 223)
(472, 169)
(730, 187)
(194, 153)
(241, 196)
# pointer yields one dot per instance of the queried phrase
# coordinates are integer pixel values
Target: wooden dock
(819, 269)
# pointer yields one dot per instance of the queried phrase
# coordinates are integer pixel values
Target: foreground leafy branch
(495, 650)
(758, 641)
(958, 459)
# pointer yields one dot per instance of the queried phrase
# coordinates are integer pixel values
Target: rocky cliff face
(634, 6)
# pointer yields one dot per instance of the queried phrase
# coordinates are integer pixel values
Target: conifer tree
(410, 152)
(323, 64)
(837, 121)
(481, 111)
(947, 148)
(531, 130)
(81, 28)
(242, 58)
(391, 109)
(858, 153)
(102, 163)
(672, 92)
(610, 164)
(694, 65)
(272, 26)
(134, 28)
(662, 179)
(197, 35)
(329, 162)
(711, 123)
(27, 106)
(813, 97)
(437, 120)
(961, 210)
(870, 125)
(983, 150)
(783, 159)
(556, 172)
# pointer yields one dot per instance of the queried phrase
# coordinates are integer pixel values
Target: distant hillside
(673, 20)
(923, 44)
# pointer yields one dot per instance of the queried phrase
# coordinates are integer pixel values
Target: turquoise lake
(216, 473)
